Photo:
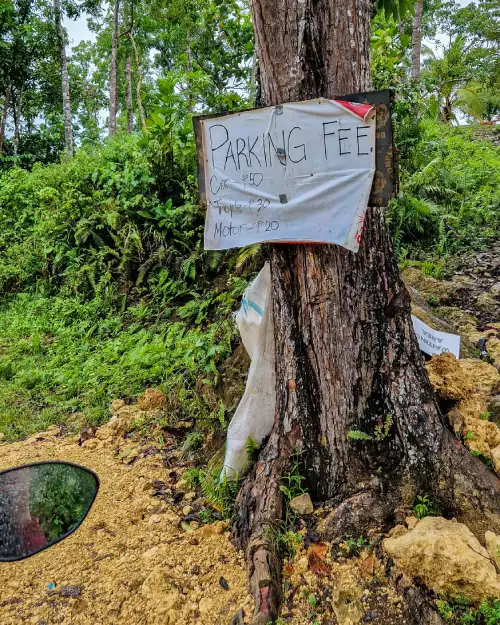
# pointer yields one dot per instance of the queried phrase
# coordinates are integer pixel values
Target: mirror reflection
(40, 504)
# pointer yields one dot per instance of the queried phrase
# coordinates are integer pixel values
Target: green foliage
(461, 612)
(389, 47)
(285, 541)
(252, 450)
(449, 199)
(59, 497)
(282, 534)
(357, 435)
(291, 482)
(354, 546)
(64, 361)
(193, 441)
(382, 430)
(424, 506)
(432, 269)
(398, 9)
(94, 224)
(206, 516)
(220, 491)
(105, 289)
(484, 459)
(192, 476)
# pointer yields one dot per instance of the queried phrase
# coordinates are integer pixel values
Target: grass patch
(63, 361)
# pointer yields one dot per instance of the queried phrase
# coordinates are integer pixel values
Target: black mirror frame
(73, 529)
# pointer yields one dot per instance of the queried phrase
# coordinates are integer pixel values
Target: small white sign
(298, 172)
(433, 342)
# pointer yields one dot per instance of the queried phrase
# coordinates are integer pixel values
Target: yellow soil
(131, 559)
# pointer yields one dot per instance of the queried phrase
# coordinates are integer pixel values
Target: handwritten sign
(433, 342)
(295, 172)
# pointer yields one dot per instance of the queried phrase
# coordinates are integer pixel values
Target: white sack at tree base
(433, 342)
(255, 413)
(301, 171)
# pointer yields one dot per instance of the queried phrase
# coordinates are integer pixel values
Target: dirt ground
(129, 562)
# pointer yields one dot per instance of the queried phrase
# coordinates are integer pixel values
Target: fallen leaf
(316, 558)
(288, 570)
(125, 452)
(368, 565)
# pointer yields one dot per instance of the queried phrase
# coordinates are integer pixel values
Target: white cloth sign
(297, 172)
(433, 342)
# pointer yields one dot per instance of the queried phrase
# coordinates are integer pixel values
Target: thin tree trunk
(416, 40)
(4, 115)
(113, 91)
(346, 354)
(254, 77)
(189, 69)
(16, 114)
(130, 109)
(139, 82)
(68, 130)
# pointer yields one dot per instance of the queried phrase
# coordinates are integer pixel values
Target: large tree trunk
(128, 97)
(113, 90)
(416, 40)
(5, 112)
(68, 130)
(346, 354)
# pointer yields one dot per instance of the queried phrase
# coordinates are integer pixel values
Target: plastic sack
(254, 415)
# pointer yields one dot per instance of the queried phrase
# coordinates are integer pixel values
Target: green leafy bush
(461, 612)
(450, 187)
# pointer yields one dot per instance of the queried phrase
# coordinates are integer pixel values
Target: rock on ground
(302, 504)
(458, 379)
(493, 546)
(470, 383)
(428, 286)
(448, 559)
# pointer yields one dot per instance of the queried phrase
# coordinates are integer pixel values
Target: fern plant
(220, 491)
(252, 450)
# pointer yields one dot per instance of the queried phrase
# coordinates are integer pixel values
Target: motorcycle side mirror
(41, 504)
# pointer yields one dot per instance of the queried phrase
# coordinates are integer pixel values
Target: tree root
(370, 508)
(420, 610)
(465, 487)
(259, 509)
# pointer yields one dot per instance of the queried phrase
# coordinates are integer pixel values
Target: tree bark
(113, 91)
(416, 40)
(68, 130)
(189, 69)
(139, 81)
(130, 109)
(17, 103)
(346, 354)
(4, 115)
